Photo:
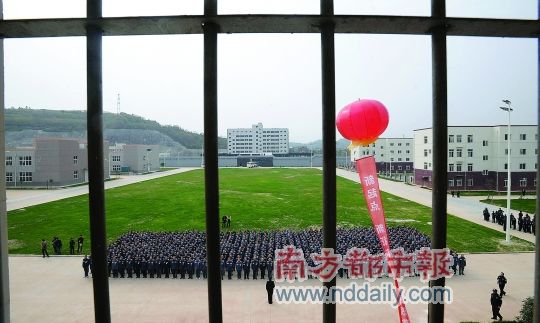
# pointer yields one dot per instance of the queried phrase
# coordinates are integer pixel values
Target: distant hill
(317, 144)
(24, 124)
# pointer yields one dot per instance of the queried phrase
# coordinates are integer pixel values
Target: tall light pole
(509, 181)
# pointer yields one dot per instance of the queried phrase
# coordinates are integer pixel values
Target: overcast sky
(276, 79)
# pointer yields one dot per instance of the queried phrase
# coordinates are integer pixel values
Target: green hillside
(70, 121)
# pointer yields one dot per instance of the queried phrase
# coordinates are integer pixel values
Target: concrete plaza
(54, 290)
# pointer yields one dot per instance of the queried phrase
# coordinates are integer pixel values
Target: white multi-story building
(477, 157)
(393, 156)
(257, 140)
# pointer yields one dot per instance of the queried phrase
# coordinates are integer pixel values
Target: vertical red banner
(370, 186)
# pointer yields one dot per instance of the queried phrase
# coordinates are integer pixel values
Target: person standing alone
(270, 285)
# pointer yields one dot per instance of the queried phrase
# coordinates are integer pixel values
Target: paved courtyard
(54, 290)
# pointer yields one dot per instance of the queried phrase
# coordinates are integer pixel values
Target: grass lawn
(525, 205)
(258, 199)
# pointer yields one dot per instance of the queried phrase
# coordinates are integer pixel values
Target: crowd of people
(522, 223)
(248, 253)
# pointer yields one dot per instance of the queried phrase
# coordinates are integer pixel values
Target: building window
(485, 172)
(459, 152)
(9, 177)
(407, 167)
(505, 166)
(399, 168)
(505, 182)
(407, 159)
(391, 159)
(451, 183)
(406, 144)
(399, 151)
(425, 139)
(469, 152)
(9, 160)
(451, 138)
(469, 182)
(450, 167)
(391, 144)
(399, 144)
(484, 143)
(522, 166)
(425, 165)
(451, 153)
(523, 151)
(399, 159)
(25, 177)
(459, 182)
(458, 138)
(75, 174)
(506, 151)
(425, 152)
(458, 167)
(392, 168)
(407, 151)
(523, 182)
(25, 160)
(75, 159)
(469, 167)
(469, 138)
(485, 157)
(506, 136)
(523, 136)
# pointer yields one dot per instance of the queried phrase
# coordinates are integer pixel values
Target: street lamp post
(509, 181)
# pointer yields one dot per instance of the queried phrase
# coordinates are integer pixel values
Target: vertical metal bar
(96, 172)
(329, 143)
(440, 144)
(211, 179)
(4, 262)
(536, 310)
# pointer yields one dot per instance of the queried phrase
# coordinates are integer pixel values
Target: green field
(258, 199)
(524, 205)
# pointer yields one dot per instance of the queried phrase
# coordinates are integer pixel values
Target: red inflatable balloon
(362, 121)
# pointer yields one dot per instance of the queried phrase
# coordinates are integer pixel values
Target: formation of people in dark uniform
(249, 254)
(523, 222)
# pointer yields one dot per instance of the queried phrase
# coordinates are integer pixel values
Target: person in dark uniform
(496, 303)
(71, 246)
(462, 262)
(159, 267)
(222, 267)
(121, 268)
(86, 266)
(270, 268)
(136, 267)
(204, 269)
(129, 268)
(114, 268)
(262, 266)
(197, 267)
(166, 267)
(255, 268)
(174, 267)
(501, 280)
(455, 263)
(182, 268)
(230, 268)
(44, 248)
(246, 268)
(270, 285)
(189, 268)
(151, 267)
(238, 267)
(80, 241)
(228, 221)
(144, 268)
